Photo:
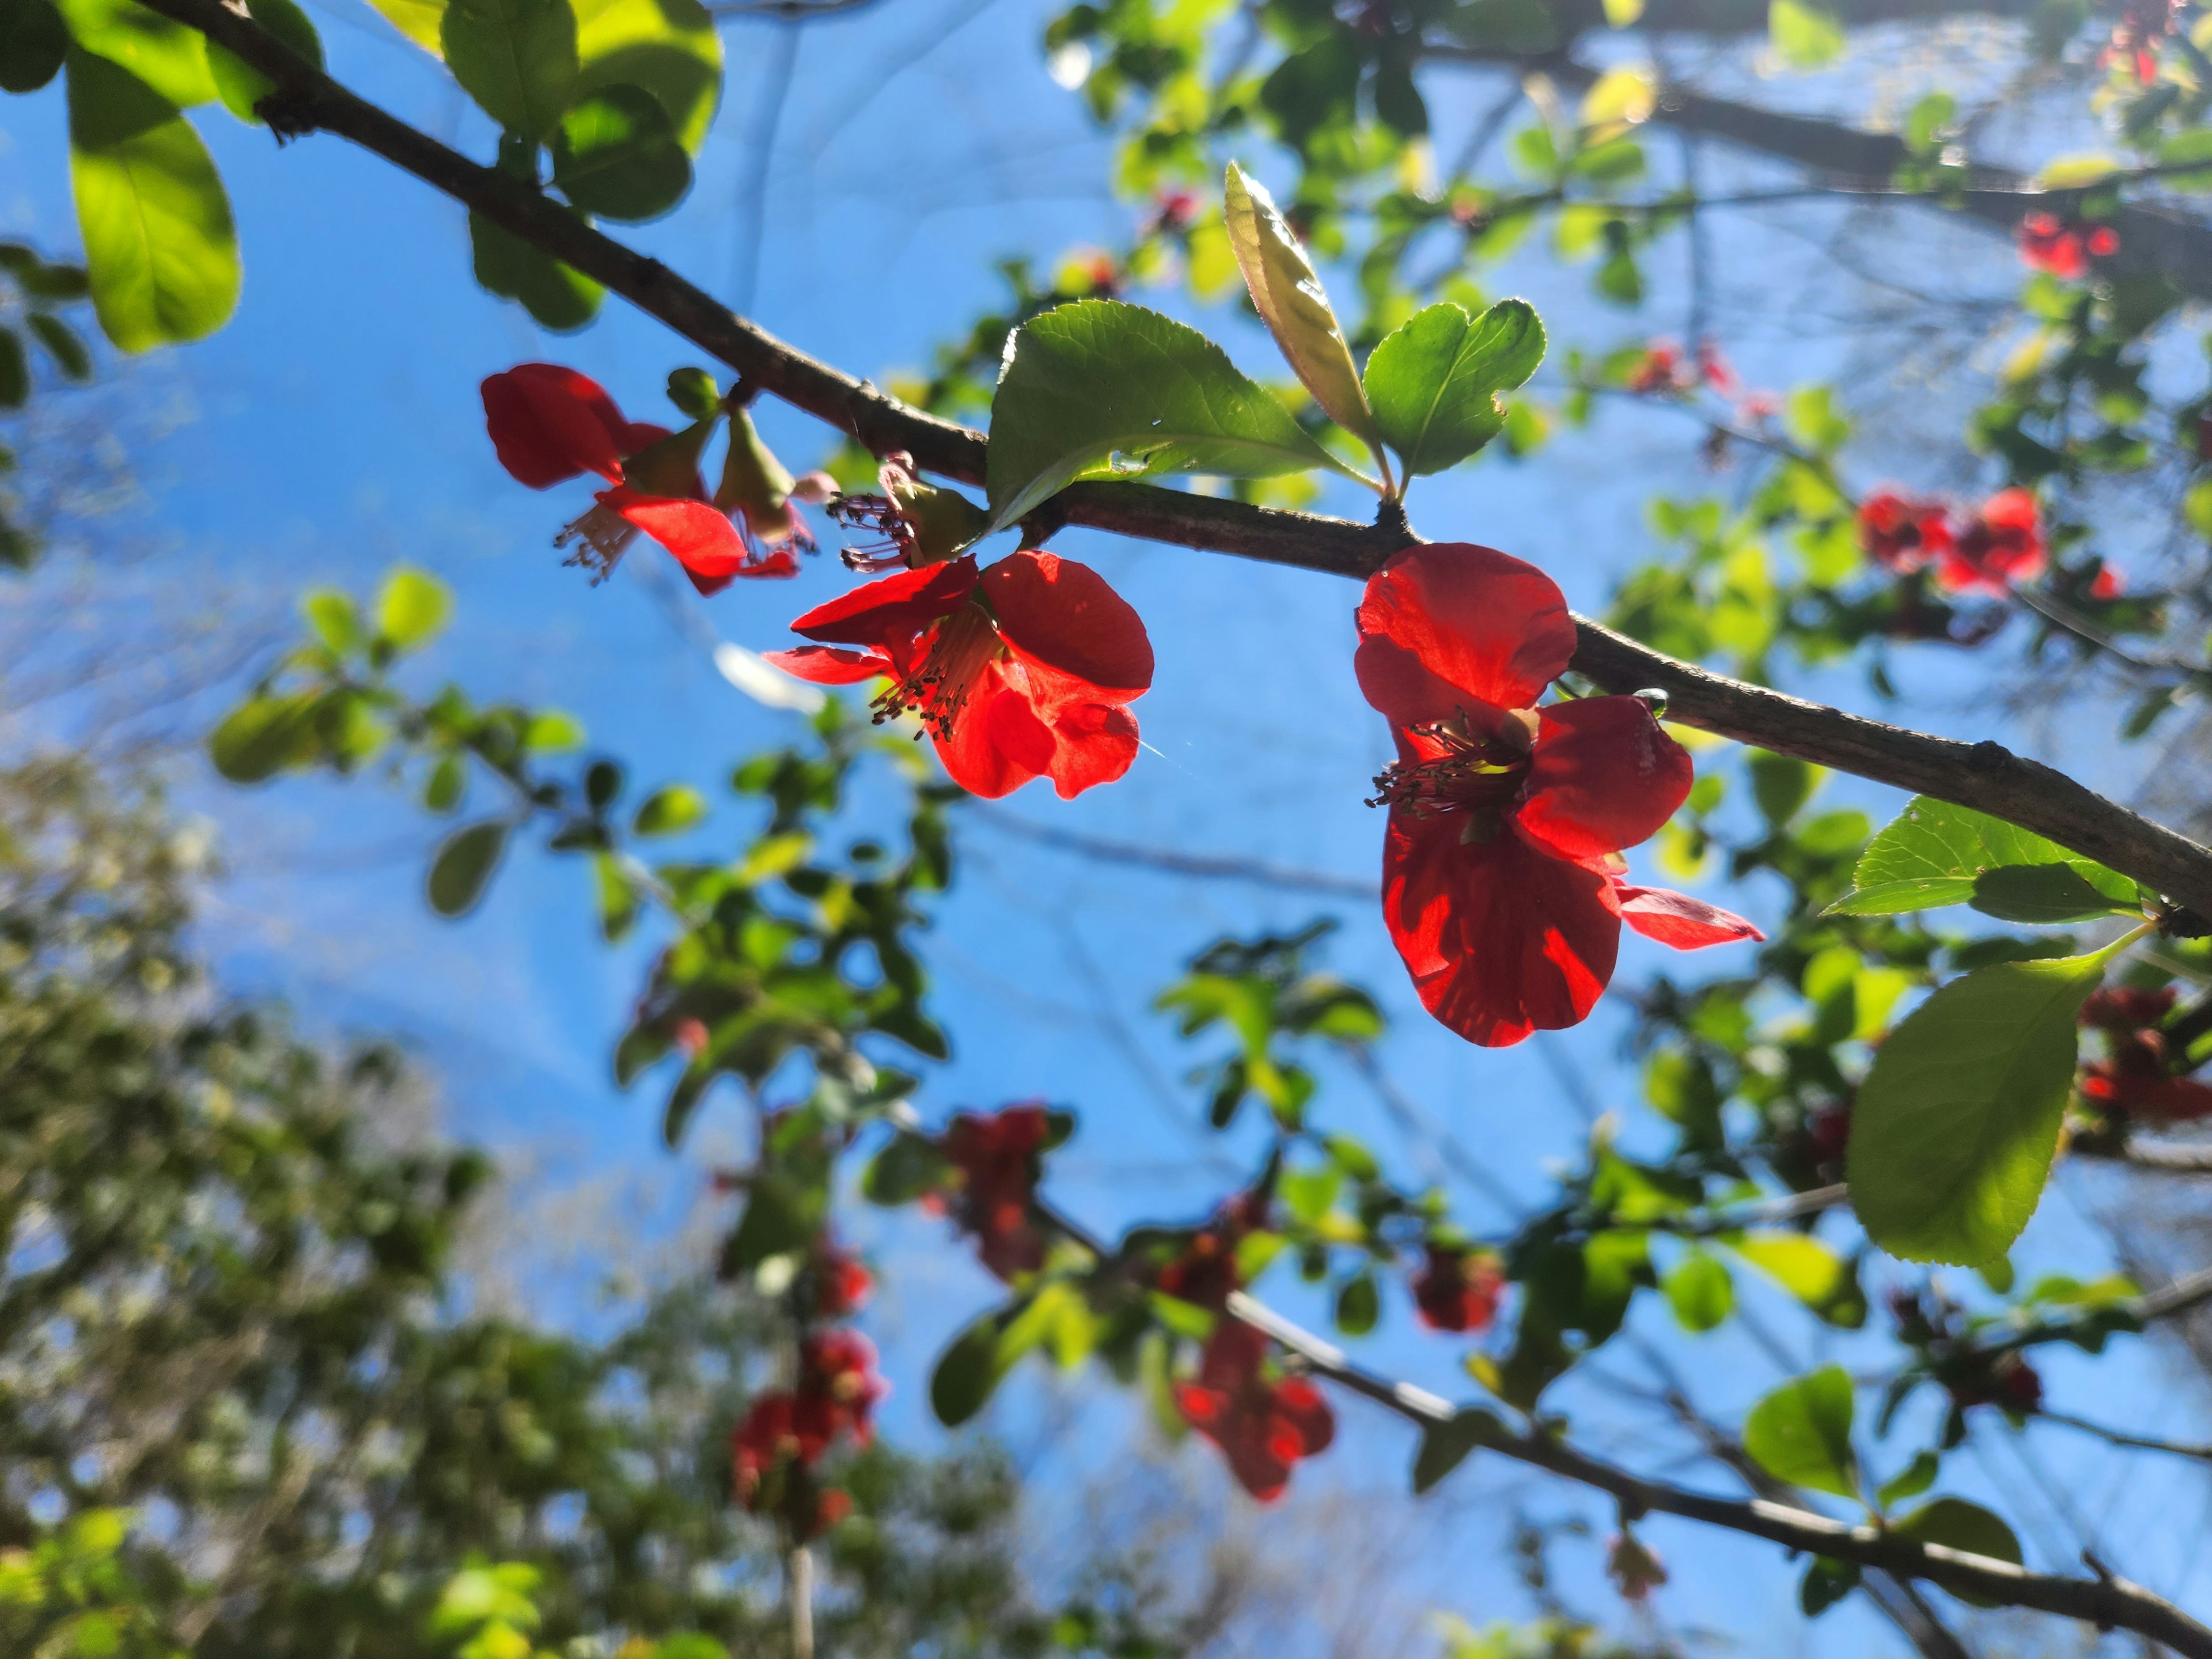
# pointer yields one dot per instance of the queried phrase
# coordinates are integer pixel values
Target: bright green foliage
(158, 240)
(517, 58)
(615, 154)
(1102, 390)
(1956, 1123)
(1699, 1291)
(1435, 381)
(1935, 852)
(669, 47)
(1801, 1433)
(167, 56)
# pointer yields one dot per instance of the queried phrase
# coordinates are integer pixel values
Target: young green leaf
(1911, 1481)
(1934, 853)
(158, 244)
(465, 863)
(669, 47)
(1434, 382)
(1954, 1128)
(239, 84)
(1099, 389)
(1804, 35)
(413, 609)
(615, 154)
(1699, 1291)
(421, 22)
(260, 737)
(1358, 1304)
(168, 57)
(671, 811)
(32, 41)
(1288, 294)
(1802, 1432)
(517, 58)
(1444, 1445)
(1809, 1270)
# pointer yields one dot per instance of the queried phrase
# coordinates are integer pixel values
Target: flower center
(605, 535)
(1475, 774)
(966, 643)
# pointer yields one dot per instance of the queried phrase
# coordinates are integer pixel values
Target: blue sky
(334, 429)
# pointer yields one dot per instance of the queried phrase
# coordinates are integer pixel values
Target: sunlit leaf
(1290, 299)
(517, 58)
(1802, 1432)
(1435, 381)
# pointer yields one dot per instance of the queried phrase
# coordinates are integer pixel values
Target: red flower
(1715, 370)
(1660, 369)
(771, 1466)
(2107, 583)
(762, 1442)
(1902, 534)
(2137, 39)
(838, 1388)
(997, 1158)
(1019, 671)
(1206, 1272)
(1263, 1427)
(2137, 1074)
(549, 424)
(1500, 879)
(2002, 545)
(1458, 1290)
(2049, 243)
(841, 1283)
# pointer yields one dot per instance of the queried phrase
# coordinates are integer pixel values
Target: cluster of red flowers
(1205, 1271)
(2139, 35)
(1263, 1422)
(1970, 1376)
(996, 1156)
(841, 1282)
(1664, 371)
(2061, 247)
(1503, 884)
(788, 1431)
(1457, 1290)
(1999, 544)
(550, 424)
(2137, 1076)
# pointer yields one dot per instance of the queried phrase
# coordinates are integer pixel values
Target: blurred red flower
(2003, 544)
(997, 1158)
(1458, 1290)
(1902, 533)
(2137, 1076)
(1262, 1426)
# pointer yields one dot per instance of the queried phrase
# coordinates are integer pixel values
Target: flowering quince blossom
(2137, 1076)
(1458, 1290)
(2048, 243)
(1902, 533)
(787, 1432)
(1262, 1426)
(841, 1284)
(1206, 1272)
(2001, 545)
(549, 424)
(1019, 671)
(997, 1159)
(1502, 880)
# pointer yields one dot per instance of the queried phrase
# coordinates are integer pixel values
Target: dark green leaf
(240, 86)
(781, 1214)
(908, 1166)
(1802, 1432)
(1955, 1524)
(261, 737)
(615, 154)
(15, 370)
(2048, 894)
(32, 41)
(670, 811)
(1955, 1126)
(1358, 1305)
(1444, 1445)
(1782, 784)
(465, 863)
(62, 344)
(558, 297)
(441, 790)
(1825, 1582)
(1435, 381)
(1913, 1479)
(1102, 390)
(967, 1371)
(517, 58)
(159, 245)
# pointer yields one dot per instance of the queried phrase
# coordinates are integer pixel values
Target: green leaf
(1826, 1582)
(1911, 1481)
(517, 58)
(1934, 853)
(1288, 294)
(969, 1370)
(1956, 1524)
(1804, 36)
(1699, 1291)
(465, 863)
(421, 22)
(158, 241)
(331, 614)
(670, 811)
(1102, 390)
(62, 344)
(1802, 1432)
(1955, 1126)
(617, 897)
(441, 790)
(413, 608)
(260, 737)
(1435, 380)
(167, 56)
(2048, 894)
(33, 40)
(1809, 1270)
(1781, 784)
(669, 47)
(550, 731)
(615, 154)
(1445, 1445)
(15, 370)
(557, 296)
(1358, 1305)
(240, 86)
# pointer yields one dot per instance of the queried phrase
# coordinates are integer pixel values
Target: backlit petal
(895, 607)
(1093, 743)
(825, 665)
(1061, 614)
(703, 541)
(1486, 625)
(548, 423)
(1676, 919)
(997, 743)
(1501, 937)
(1604, 776)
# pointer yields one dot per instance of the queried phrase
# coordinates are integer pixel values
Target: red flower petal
(1300, 1405)
(897, 607)
(703, 541)
(548, 423)
(1451, 625)
(2160, 1099)
(998, 744)
(1603, 776)
(1061, 614)
(1093, 743)
(1501, 939)
(827, 666)
(1676, 919)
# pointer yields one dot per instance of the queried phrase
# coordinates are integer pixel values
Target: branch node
(1988, 755)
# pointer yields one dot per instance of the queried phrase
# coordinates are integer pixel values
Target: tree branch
(1983, 776)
